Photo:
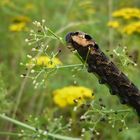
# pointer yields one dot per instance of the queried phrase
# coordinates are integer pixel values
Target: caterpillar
(105, 70)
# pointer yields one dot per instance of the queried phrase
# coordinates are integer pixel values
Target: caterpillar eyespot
(107, 72)
(88, 37)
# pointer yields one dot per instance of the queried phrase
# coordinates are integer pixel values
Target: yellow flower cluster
(127, 13)
(17, 27)
(130, 14)
(71, 94)
(132, 28)
(19, 23)
(113, 24)
(46, 61)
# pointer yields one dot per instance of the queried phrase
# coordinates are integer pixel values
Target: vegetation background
(24, 100)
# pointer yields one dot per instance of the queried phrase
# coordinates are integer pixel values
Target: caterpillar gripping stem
(107, 72)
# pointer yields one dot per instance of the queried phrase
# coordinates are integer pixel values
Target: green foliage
(5, 103)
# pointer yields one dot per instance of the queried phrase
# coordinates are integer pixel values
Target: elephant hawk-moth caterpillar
(107, 72)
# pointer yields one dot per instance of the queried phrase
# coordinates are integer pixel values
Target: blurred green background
(18, 97)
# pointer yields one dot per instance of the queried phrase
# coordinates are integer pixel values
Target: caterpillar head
(81, 42)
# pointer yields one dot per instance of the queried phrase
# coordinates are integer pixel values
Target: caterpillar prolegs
(107, 72)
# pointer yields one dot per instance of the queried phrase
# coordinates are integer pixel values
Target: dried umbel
(107, 72)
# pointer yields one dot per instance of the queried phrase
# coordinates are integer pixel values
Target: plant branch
(41, 132)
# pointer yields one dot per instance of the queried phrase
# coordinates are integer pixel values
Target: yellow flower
(46, 61)
(19, 19)
(19, 23)
(127, 13)
(132, 28)
(17, 27)
(113, 24)
(71, 94)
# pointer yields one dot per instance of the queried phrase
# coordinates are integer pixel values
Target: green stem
(64, 66)
(119, 111)
(59, 38)
(9, 133)
(14, 134)
(86, 58)
(42, 132)
(68, 66)
(106, 111)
